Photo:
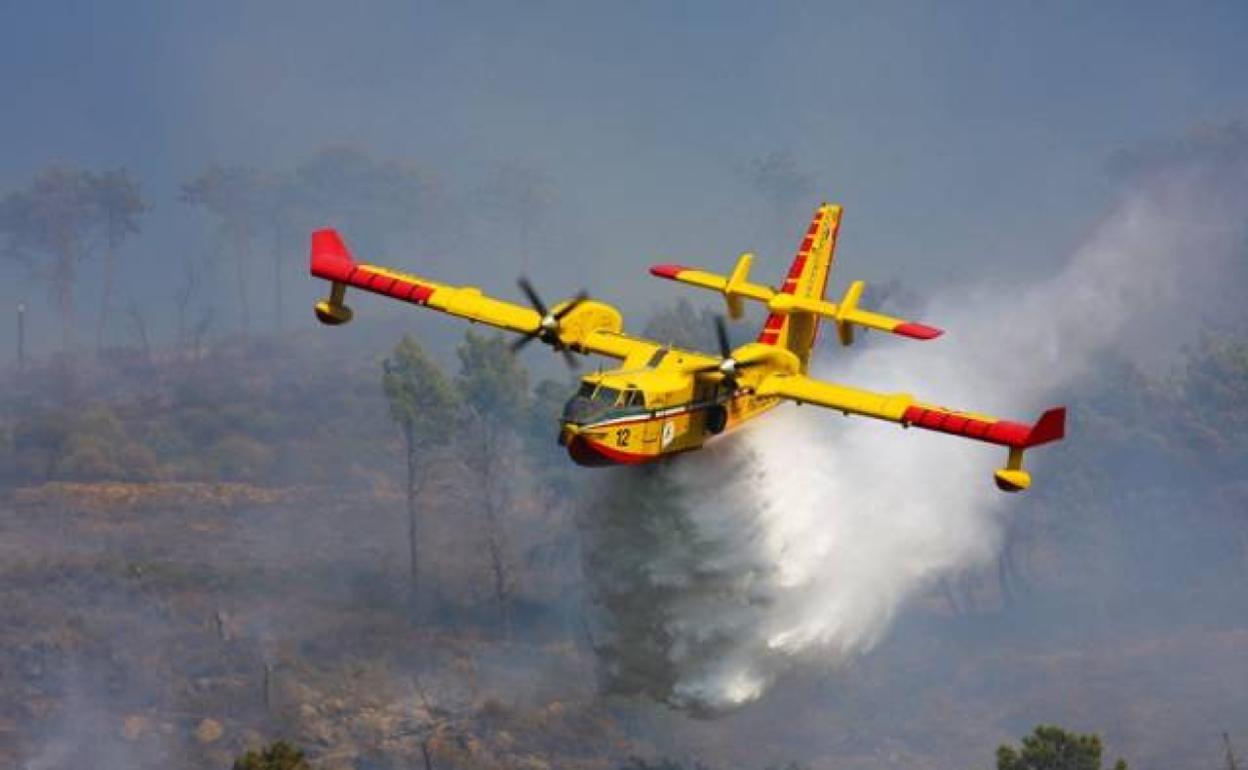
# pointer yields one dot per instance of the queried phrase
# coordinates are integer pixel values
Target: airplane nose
(567, 432)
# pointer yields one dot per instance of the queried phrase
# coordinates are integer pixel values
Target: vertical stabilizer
(807, 278)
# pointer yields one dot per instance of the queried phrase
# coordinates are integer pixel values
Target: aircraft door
(650, 435)
(652, 431)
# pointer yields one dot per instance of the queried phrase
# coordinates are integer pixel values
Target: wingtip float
(663, 400)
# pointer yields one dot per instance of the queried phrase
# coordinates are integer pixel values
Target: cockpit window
(587, 389)
(607, 396)
(635, 398)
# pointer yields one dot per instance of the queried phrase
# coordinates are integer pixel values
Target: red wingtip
(918, 331)
(1050, 427)
(667, 271)
(330, 257)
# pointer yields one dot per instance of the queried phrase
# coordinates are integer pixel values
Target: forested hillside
(207, 549)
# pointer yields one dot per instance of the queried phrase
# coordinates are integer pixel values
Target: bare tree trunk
(63, 283)
(65, 307)
(183, 302)
(268, 686)
(21, 336)
(110, 270)
(140, 331)
(413, 552)
(199, 338)
(278, 251)
(240, 275)
(494, 537)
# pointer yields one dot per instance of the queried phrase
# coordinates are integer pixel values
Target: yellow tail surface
(807, 278)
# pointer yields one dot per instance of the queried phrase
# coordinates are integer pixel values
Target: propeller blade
(580, 297)
(547, 331)
(520, 343)
(721, 332)
(531, 293)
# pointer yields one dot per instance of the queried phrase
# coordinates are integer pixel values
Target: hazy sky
(964, 139)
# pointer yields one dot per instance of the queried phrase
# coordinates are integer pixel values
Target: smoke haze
(802, 538)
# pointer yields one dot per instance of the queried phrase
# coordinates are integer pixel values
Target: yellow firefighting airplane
(663, 400)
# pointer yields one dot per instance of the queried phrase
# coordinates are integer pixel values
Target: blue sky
(964, 139)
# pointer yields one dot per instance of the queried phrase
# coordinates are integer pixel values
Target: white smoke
(805, 535)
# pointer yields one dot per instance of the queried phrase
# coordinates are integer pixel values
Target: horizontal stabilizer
(846, 313)
(735, 287)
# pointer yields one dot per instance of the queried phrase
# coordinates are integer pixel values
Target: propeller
(548, 328)
(728, 366)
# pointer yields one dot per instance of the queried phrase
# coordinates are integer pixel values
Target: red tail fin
(331, 259)
(1050, 427)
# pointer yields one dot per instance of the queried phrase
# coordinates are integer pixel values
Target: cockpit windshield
(593, 400)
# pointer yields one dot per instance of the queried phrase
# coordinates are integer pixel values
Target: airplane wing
(588, 327)
(902, 408)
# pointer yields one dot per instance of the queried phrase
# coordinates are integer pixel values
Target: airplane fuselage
(615, 419)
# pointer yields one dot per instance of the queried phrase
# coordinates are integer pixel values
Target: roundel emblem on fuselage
(669, 433)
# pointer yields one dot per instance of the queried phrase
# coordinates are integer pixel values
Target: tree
(118, 202)
(682, 326)
(47, 227)
(290, 224)
(1217, 382)
(278, 755)
(494, 387)
(637, 763)
(373, 201)
(422, 404)
(1052, 748)
(492, 381)
(236, 195)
